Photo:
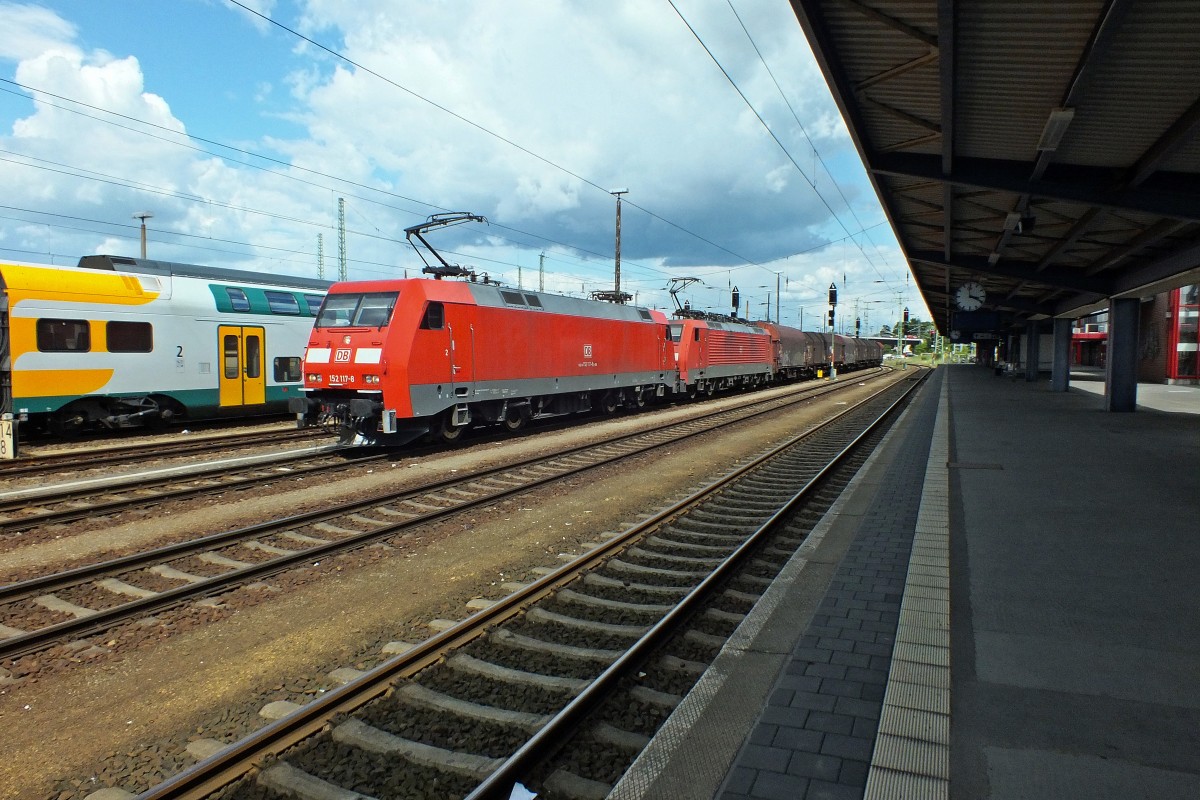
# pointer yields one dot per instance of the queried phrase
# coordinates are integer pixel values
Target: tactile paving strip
(911, 758)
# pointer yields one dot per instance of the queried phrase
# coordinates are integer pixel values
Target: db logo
(587, 351)
(341, 355)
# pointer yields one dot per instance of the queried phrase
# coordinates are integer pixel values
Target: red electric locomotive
(713, 355)
(390, 361)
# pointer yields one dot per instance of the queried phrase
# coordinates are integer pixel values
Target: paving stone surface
(816, 733)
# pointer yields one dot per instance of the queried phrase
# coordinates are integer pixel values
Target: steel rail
(94, 457)
(24, 498)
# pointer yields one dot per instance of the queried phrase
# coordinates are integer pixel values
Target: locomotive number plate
(341, 379)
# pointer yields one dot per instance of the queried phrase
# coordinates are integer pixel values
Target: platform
(1065, 540)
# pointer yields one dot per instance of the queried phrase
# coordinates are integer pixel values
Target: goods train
(120, 342)
(390, 361)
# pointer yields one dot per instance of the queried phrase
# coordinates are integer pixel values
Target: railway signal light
(833, 294)
(831, 318)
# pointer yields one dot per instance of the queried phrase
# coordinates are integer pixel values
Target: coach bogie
(114, 413)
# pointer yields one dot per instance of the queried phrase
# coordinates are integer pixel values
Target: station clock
(970, 296)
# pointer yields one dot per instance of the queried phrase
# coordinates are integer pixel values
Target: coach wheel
(610, 403)
(165, 411)
(447, 431)
(515, 419)
(709, 388)
(66, 426)
(639, 399)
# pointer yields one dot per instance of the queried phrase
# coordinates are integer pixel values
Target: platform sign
(8, 446)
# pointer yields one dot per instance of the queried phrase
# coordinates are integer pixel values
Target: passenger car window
(64, 336)
(237, 299)
(282, 302)
(287, 369)
(129, 337)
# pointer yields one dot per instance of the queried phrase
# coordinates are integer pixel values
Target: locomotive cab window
(676, 331)
(434, 318)
(336, 311)
(64, 336)
(129, 337)
(372, 310)
(282, 302)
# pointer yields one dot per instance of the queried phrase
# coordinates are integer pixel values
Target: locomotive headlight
(371, 378)
(313, 377)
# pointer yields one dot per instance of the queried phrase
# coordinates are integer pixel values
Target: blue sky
(527, 112)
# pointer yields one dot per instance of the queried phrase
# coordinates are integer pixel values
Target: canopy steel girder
(1173, 195)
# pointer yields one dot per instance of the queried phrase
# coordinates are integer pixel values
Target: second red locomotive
(714, 355)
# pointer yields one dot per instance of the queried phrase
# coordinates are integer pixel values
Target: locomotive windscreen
(369, 310)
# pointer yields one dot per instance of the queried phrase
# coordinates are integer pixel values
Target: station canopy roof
(1047, 150)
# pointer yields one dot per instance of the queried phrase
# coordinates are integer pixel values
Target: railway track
(24, 509)
(91, 498)
(93, 457)
(39, 612)
(559, 685)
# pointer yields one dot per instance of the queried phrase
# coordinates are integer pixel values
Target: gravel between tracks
(183, 676)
